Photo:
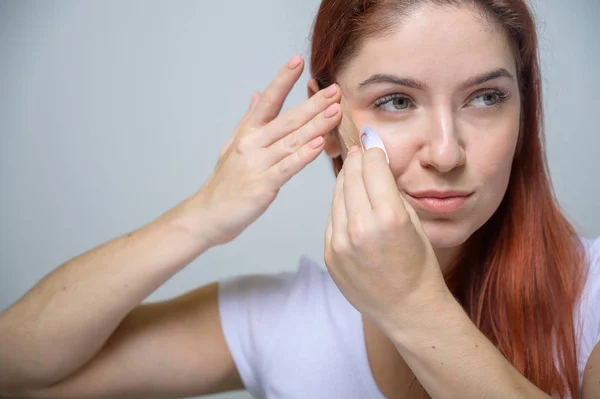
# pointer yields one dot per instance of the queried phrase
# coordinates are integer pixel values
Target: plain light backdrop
(111, 112)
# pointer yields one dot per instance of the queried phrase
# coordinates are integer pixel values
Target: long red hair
(521, 274)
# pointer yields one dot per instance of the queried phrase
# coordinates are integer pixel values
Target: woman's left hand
(375, 248)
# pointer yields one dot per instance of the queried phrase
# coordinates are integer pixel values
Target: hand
(265, 151)
(375, 248)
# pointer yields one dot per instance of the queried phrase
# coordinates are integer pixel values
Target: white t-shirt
(294, 335)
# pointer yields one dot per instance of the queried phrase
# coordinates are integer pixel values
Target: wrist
(190, 219)
(424, 309)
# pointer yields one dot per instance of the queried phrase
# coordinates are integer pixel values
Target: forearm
(68, 316)
(452, 358)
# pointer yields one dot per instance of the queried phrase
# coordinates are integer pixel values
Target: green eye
(393, 103)
(489, 99)
(400, 103)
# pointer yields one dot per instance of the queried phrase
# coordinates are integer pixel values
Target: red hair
(521, 274)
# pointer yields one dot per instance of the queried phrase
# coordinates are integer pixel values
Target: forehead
(440, 45)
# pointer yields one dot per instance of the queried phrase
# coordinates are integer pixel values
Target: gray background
(111, 112)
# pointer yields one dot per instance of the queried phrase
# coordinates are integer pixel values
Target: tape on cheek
(350, 133)
(348, 130)
(370, 139)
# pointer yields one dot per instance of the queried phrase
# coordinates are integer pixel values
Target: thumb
(414, 218)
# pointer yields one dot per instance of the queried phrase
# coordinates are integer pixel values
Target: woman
(470, 283)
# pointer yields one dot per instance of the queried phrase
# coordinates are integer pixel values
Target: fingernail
(317, 142)
(330, 91)
(371, 139)
(352, 149)
(332, 111)
(294, 63)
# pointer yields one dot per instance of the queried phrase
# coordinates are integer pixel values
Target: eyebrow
(415, 84)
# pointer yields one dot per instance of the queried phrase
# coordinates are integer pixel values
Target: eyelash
(503, 96)
(384, 100)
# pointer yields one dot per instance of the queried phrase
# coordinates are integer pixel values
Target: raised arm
(81, 332)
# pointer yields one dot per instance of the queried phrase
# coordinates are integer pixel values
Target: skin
(385, 256)
(70, 336)
(448, 139)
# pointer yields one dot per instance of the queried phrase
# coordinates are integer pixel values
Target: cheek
(489, 165)
(489, 142)
(490, 157)
(401, 144)
(401, 152)
(488, 168)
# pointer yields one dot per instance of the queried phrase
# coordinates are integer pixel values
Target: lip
(440, 202)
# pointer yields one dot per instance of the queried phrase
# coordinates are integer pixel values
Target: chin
(445, 233)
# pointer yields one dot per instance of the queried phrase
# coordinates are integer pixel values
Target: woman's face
(441, 92)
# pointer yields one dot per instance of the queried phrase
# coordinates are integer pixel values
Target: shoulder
(592, 247)
(273, 290)
(592, 261)
(268, 319)
(287, 297)
(588, 314)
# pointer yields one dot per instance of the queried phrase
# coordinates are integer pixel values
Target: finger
(299, 116)
(273, 97)
(319, 126)
(355, 193)
(379, 181)
(255, 98)
(253, 102)
(328, 231)
(284, 170)
(414, 217)
(339, 219)
(337, 234)
(226, 146)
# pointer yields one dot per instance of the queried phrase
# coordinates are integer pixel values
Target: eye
(393, 103)
(489, 99)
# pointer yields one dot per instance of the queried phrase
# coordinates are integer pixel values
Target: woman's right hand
(265, 151)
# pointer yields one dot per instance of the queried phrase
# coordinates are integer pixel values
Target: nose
(443, 148)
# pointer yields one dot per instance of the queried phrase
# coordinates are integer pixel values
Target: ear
(312, 87)
(333, 146)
